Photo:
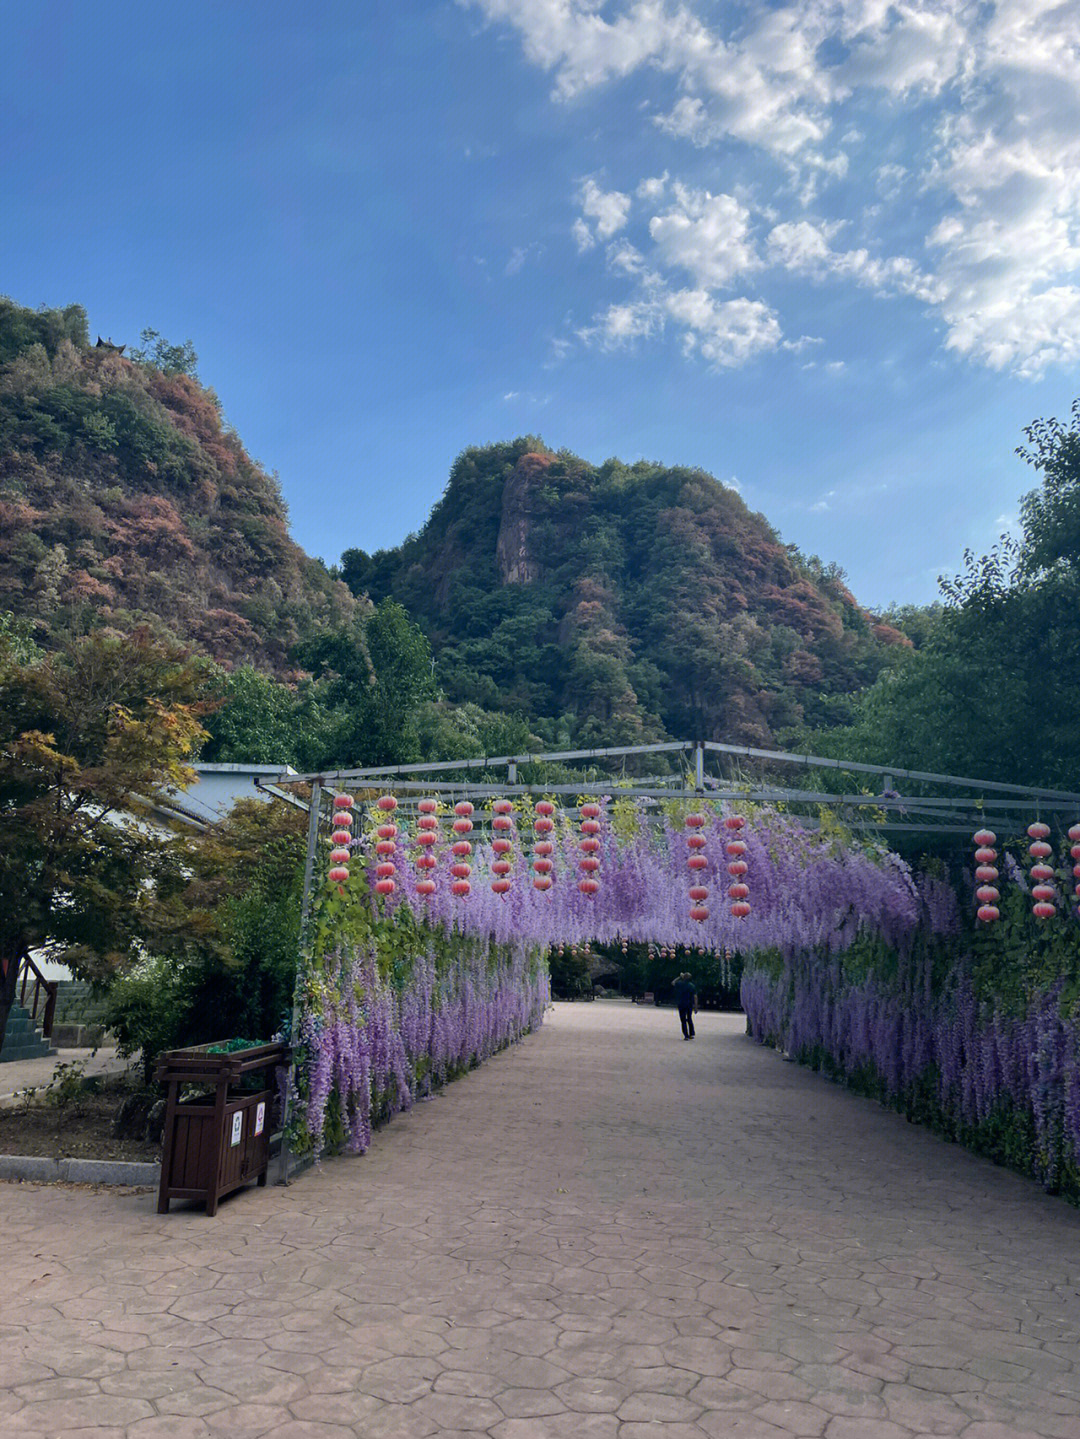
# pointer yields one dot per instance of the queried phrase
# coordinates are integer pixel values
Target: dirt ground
(83, 1129)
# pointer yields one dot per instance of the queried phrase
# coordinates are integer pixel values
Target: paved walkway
(605, 1233)
(22, 1074)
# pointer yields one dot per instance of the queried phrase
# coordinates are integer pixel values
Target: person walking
(686, 999)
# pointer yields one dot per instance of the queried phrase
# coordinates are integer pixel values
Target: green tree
(170, 359)
(258, 722)
(90, 737)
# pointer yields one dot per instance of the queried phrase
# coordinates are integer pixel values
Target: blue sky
(827, 251)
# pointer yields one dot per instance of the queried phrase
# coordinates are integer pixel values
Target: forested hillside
(125, 499)
(623, 603)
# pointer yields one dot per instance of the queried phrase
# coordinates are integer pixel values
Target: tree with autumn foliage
(92, 736)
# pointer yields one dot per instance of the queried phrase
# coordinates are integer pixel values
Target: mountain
(125, 499)
(620, 604)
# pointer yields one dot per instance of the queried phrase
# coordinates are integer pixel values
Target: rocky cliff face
(623, 603)
(513, 549)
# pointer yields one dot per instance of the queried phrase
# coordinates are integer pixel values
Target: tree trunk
(10, 965)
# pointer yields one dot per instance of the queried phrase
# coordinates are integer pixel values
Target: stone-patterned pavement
(605, 1233)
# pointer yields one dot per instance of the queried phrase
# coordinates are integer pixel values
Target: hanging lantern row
(386, 836)
(986, 874)
(589, 846)
(461, 849)
(543, 846)
(1042, 891)
(696, 861)
(738, 890)
(502, 844)
(1074, 836)
(341, 838)
(427, 836)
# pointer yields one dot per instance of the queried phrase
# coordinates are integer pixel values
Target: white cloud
(607, 208)
(986, 145)
(583, 235)
(706, 235)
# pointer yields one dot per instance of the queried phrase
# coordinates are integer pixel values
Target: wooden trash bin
(213, 1144)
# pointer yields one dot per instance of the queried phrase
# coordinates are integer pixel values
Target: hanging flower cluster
(427, 836)
(385, 846)
(695, 842)
(1042, 891)
(589, 862)
(1074, 836)
(986, 874)
(341, 839)
(462, 849)
(502, 845)
(543, 847)
(738, 890)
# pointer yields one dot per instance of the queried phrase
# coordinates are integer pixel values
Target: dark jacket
(685, 994)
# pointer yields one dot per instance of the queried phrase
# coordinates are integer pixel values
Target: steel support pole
(314, 815)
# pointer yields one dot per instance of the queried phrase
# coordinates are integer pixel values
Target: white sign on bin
(260, 1117)
(237, 1127)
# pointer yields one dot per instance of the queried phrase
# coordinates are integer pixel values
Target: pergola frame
(967, 803)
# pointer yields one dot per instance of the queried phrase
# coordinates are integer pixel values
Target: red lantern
(1040, 849)
(734, 821)
(339, 874)
(697, 861)
(735, 847)
(544, 825)
(426, 861)
(698, 892)
(428, 822)
(740, 909)
(339, 856)
(462, 826)
(590, 844)
(590, 864)
(343, 801)
(988, 913)
(428, 806)
(695, 821)
(502, 822)
(699, 912)
(343, 819)
(500, 867)
(384, 871)
(737, 867)
(543, 846)
(986, 856)
(987, 894)
(461, 871)
(986, 874)
(341, 836)
(1043, 891)
(463, 808)
(461, 887)
(1038, 830)
(503, 806)
(500, 886)
(985, 838)
(590, 826)
(461, 848)
(696, 841)
(426, 836)
(588, 886)
(545, 807)
(738, 891)
(1043, 910)
(384, 886)
(590, 811)
(385, 846)
(542, 882)
(387, 831)
(387, 803)
(542, 866)
(425, 887)
(1041, 872)
(501, 846)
